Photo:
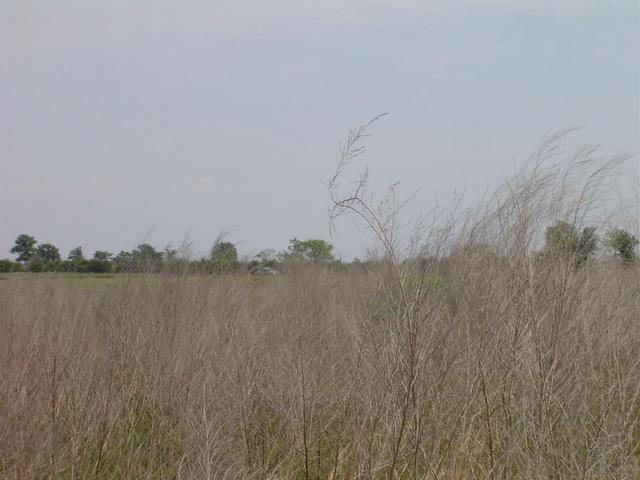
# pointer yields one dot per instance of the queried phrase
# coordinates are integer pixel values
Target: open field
(510, 372)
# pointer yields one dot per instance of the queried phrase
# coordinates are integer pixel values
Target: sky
(159, 120)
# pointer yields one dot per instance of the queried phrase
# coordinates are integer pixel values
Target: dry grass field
(484, 359)
(313, 375)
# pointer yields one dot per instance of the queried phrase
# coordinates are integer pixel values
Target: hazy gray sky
(150, 119)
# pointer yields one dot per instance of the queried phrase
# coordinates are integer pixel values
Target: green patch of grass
(76, 279)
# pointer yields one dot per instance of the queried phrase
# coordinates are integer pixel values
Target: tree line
(562, 240)
(223, 256)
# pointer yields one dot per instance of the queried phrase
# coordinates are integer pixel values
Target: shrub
(312, 249)
(623, 243)
(98, 266)
(564, 240)
(8, 266)
(36, 265)
(224, 256)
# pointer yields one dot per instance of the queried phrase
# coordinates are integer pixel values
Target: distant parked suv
(263, 271)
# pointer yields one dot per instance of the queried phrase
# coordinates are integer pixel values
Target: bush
(85, 266)
(8, 266)
(37, 265)
(623, 243)
(564, 240)
(98, 266)
(311, 250)
(224, 256)
(76, 266)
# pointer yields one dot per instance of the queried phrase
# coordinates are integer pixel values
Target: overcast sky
(124, 120)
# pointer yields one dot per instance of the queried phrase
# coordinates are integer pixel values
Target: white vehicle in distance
(264, 271)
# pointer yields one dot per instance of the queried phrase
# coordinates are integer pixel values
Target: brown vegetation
(310, 375)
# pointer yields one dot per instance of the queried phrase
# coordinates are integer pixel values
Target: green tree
(564, 240)
(102, 255)
(76, 254)
(223, 254)
(587, 244)
(623, 243)
(48, 252)
(146, 252)
(123, 261)
(123, 256)
(561, 239)
(24, 247)
(312, 249)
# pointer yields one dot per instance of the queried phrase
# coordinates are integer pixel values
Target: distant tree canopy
(312, 249)
(623, 243)
(564, 240)
(48, 252)
(143, 258)
(223, 254)
(24, 247)
(102, 255)
(76, 254)
(123, 257)
(146, 252)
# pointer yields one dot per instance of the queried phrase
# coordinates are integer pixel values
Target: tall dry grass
(482, 360)
(309, 376)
